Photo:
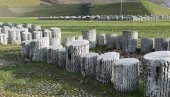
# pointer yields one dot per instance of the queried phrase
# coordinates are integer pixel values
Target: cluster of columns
(75, 57)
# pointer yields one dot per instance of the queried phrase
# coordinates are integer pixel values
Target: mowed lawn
(73, 28)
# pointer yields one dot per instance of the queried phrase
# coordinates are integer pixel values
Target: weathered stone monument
(147, 45)
(156, 74)
(52, 54)
(111, 40)
(125, 74)
(88, 64)
(104, 66)
(161, 44)
(130, 41)
(90, 35)
(101, 39)
(74, 49)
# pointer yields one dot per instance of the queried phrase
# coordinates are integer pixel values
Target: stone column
(161, 44)
(88, 64)
(25, 48)
(52, 54)
(12, 36)
(125, 75)
(36, 34)
(37, 47)
(111, 40)
(130, 41)
(119, 42)
(90, 35)
(147, 45)
(101, 39)
(67, 39)
(157, 74)
(74, 49)
(55, 36)
(104, 66)
(62, 57)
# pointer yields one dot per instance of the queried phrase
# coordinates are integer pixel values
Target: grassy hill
(38, 8)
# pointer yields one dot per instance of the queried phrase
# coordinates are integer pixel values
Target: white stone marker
(74, 49)
(104, 66)
(52, 54)
(111, 40)
(157, 74)
(130, 41)
(90, 35)
(88, 64)
(125, 74)
(161, 44)
(147, 45)
(101, 39)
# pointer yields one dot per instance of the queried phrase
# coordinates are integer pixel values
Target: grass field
(73, 28)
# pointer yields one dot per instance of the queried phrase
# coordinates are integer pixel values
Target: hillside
(34, 8)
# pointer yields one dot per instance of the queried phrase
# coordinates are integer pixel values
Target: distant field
(72, 28)
(34, 8)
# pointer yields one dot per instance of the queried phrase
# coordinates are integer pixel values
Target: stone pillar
(36, 34)
(101, 39)
(25, 48)
(111, 40)
(18, 36)
(104, 66)
(67, 39)
(47, 33)
(56, 36)
(125, 75)
(37, 47)
(130, 41)
(88, 64)
(24, 36)
(161, 44)
(12, 36)
(119, 42)
(56, 32)
(62, 57)
(74, 49)
(29, 36)
(5, 30)
(90, 35)
(157, 74)
(52, 54)
(4, 38)
(147, 45)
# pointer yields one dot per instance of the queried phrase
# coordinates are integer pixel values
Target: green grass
(73, 28)
(34, 8)
(22, 79)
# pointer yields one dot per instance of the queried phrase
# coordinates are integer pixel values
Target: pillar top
(126, 61)
(158, 55)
